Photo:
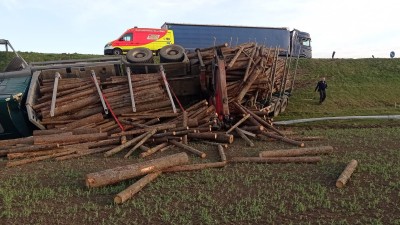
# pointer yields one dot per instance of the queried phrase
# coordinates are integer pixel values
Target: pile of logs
(253, 72)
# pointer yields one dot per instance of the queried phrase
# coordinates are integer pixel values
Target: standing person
(321, 86)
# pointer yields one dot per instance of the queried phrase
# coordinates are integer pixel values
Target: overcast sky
(352, 28)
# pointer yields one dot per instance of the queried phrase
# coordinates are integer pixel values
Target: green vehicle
(14, 83)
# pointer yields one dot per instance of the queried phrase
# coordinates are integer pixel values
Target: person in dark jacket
(321, 86)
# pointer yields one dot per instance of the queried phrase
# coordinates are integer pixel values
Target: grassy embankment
(54, 192)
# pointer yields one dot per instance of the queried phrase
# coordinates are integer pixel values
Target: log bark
(129, 192)
(153, 150)
(244, 137)
(87, 120)
(346, 174)
(192, 167)
(123, 146)
(224, 138)
(27, 140)
(238, 123)
(297, 152)
(203, 136)
(222, 153)
(188, 148)
(284, 139)
(141, 142)
(69, 139)
(40, 158)
(115, 175)
(313, 159)
(29, 148)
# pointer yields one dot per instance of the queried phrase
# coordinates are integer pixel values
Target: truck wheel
(117, 51)
(284, 104)
(140, 55)
(14, 65)
(172, 53)
(277, 108)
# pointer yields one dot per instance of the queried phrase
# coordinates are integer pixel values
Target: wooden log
(203, 136)
(297, 152)
(115, 175)
(258, 119)
(346, 174)
(256, 129)
(84, 130)
(224, 138)
(12, 156)
(238, 123)
(84, 152)
(244, 137)
(214, 143)
(246, 132)
(73, 106)
(185, 124)
(284, 139)
(10, 142)
(144, 139)
(29, 148)
(69, 139)
(123, 146)
(47, 132)
(129, 192)
(104, 143)
(309, 138)
(87, 120)
(221, 153)
(40, 158)
(188, 148)
(165, 126)
(153, 150)
(192, 167)
(311, 159)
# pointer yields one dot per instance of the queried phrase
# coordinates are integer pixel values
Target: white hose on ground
(288, 122)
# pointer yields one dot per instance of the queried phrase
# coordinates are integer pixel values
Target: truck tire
(15, 64)
(284, 103)
(172, 53)
(117, 51)
(140, 55)
(277, 108)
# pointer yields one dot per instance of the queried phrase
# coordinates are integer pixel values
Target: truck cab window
(127, 37)
(306, 42)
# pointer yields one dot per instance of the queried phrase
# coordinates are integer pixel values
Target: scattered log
(244, 137)
(192, 167)
(346, 174)
(297, 152)
(284, 139)
(129, 192)
(238, 123)
(312, 159)
(224, 138)
(222, 153)
(145, 138)
(40, 158)
(188, 148)
(68, 138)
(153, 150)
(121, 173)
(123, 146)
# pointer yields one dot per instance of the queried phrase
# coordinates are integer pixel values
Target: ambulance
(150, 38)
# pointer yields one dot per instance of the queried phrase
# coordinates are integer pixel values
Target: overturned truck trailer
(115, 93)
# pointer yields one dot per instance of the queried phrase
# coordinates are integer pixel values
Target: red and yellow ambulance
(153, 39)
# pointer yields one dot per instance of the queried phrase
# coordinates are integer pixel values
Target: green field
(53, 192)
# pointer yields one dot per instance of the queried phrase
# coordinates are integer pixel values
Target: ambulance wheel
(117, 51)
(172, 53)
(140, 55)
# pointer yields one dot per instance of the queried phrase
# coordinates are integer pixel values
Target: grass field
(54, 192)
